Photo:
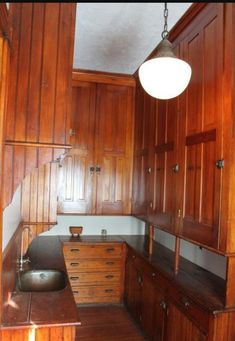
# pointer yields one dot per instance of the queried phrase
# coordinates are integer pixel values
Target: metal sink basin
(41, 280)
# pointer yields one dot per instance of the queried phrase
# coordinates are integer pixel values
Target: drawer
(89, 265)
(97, 294)
(96, 291)
(191, 309)
(77, 278)
(78, 250)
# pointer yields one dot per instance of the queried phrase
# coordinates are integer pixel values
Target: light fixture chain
(165, 32)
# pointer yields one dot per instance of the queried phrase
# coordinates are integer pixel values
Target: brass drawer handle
(111, 249)
(74, 264)
(109, 290)
(109, 263)
(74, 250)
(74, 278)
(109, 276)
(75, 292)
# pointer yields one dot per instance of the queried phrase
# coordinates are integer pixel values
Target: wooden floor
(107, 323)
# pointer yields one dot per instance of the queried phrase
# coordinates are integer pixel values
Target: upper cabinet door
(77, 171)
(114, 126)
(201, 127)
(40, 74)
(142, 170)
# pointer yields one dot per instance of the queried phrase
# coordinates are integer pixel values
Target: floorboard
(107, 323)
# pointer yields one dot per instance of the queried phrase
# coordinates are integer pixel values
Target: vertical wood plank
(23, 73)
(35, 73)
(49, 72)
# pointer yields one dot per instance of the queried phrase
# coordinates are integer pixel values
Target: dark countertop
(59, 307)
(43, 308)
(202, 286)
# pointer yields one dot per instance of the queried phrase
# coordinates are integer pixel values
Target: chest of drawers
(95, 271)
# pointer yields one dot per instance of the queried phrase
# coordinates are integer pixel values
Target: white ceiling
(117, 37)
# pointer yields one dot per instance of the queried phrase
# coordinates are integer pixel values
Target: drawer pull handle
(111, 249)
(74, 278)
(74, 250)
(153, 275)
(109, 276)
(109, 290)
(185, 302)
(109, 263)
(76, 292)
(74, 264)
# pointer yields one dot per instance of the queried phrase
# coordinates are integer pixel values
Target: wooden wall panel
(39, 102)
(39, 195)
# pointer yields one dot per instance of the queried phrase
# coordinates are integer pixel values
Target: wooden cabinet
(95, 271)
(201, 126)
(180, 327)
(163, 311)
(144, 297)
(96, 175)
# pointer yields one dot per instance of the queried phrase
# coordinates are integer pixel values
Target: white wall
(200, 256)
(11, 218)
(92, 225)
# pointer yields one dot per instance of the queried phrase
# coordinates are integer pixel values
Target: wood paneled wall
(38, 113)
(39, 194)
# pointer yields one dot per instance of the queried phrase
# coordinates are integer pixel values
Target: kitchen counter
(59, 308)
(43, 308)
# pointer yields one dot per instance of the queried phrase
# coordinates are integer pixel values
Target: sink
(41, 280)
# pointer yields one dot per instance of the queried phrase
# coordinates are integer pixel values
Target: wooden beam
(102, 77)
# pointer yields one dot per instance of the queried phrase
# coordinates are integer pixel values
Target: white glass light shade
(165, 77)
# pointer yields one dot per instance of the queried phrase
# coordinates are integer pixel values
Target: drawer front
(96, 291)
(93, 264)
(78, 251)
(97, 294)
(191, 309)
(78, 278)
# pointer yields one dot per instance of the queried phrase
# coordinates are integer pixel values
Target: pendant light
(165, 76)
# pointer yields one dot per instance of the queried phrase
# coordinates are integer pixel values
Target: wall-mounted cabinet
(191, 160)
(96, 175)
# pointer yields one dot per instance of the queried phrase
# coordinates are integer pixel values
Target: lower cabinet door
(153, 310)
(180, 327)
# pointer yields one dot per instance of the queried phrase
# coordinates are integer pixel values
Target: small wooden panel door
(77, 171)
(132, 288)
(113, 149)
(201, 123)
(165, 165)
(144, 135)
(179, 327)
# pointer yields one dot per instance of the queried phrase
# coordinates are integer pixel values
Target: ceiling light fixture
(165, 76)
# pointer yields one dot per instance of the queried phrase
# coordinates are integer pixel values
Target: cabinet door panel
(201, 139)
(179, 327)
(76, 175)
(113, 149)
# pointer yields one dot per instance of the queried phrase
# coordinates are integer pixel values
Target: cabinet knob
(72, 132)
(149, 170)
(175, 168)
(163, 304)
(185, 302)
(92, 169)
(98, 170)
(153, 274)
(219, 164)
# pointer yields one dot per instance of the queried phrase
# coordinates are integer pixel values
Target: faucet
(21, 259)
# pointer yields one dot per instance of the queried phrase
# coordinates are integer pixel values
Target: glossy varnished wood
(96, 175)
(39, 100)
(107, 323)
